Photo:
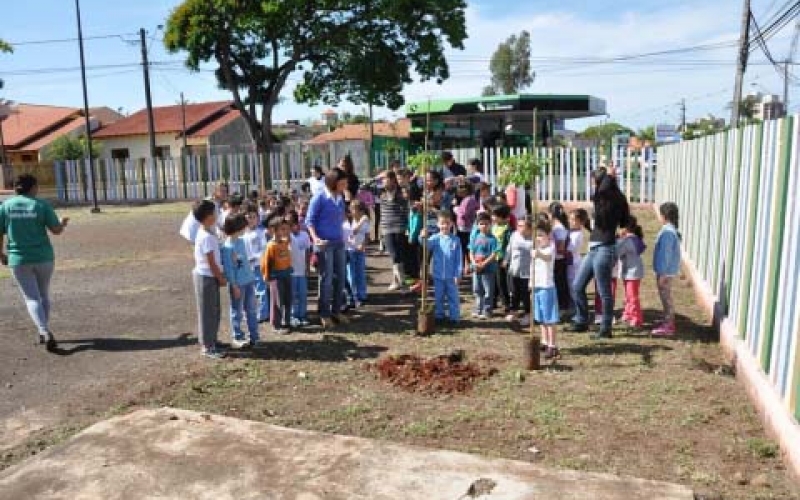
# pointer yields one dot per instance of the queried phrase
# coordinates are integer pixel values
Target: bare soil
(666, 409)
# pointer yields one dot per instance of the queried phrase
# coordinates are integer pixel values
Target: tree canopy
(605, 133)
(5, 46)
(71, 148)
(510, 66)
(343, 49)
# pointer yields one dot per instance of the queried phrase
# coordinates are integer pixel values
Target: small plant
(762, 448)
(423, 161)
(520, 170)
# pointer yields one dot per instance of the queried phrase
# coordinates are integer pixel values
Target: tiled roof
(76, 124)
(360, 132)
(31, 120)
(212, 126)
(166, 119)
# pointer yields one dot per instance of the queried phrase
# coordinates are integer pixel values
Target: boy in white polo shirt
(545, 298)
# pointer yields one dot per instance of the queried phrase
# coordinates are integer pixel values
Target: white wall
(139, 145)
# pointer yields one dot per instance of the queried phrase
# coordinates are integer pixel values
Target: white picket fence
(567, 175)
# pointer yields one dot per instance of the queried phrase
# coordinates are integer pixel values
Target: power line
(67, 40)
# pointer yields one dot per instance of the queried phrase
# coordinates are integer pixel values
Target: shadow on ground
(330, 349)
(123, 345)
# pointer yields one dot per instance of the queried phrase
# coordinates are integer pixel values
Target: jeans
(357, 274)
(331, 262)
(281, 312)
(396, 244)
(262, 294)
(33, 281)
(245, 307)
(597, 264)
(447, 289)
(483, 287)
(300, 297)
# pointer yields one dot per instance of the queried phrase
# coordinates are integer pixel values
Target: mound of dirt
(448, 374)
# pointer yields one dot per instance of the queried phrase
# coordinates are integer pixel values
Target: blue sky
(637, 95)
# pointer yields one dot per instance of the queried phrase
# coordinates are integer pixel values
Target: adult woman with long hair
(611, 212)
(324, 220)
(24, 223)
(393, 226)
(346, 165)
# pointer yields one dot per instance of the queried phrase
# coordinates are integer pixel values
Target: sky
(44, 70)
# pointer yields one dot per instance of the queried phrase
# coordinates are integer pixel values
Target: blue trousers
(598, 264)
(357, 274)
(483, 287)
(262, 295)
(331, 262)
(447, 289)
(245, 307)
(299, 297)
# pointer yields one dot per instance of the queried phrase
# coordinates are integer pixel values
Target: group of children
(261, 252)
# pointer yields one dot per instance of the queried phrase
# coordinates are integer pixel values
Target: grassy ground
(665, 409)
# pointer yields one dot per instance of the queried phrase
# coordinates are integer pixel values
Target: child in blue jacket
(241, 281)
(448, 264)
(667, 265)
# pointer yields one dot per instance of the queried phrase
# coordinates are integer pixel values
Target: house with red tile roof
(215, 127)
(353, 140)
(30, 129)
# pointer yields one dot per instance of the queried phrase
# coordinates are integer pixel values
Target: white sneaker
(598, 320)
(483, 316)
(476, 315)
(295, 323)
(394, 286)
(511, 317)
(240, 344)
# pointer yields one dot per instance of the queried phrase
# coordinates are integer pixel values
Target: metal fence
(737, 194)
(566, 176)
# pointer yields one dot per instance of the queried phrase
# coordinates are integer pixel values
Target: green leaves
(6, 47)
(511, 66)
(71, 148)
(361, 51)
(520, 170)
(424, 161)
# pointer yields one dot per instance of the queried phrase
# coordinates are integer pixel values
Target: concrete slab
(178, 454)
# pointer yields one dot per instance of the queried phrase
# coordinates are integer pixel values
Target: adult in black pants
(611, 212)
(394, 223)
(560, 237)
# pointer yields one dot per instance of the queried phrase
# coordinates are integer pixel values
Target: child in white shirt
(300, 244)
(357, 230)
(545, 298)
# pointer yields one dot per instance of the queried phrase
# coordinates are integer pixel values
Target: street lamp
(89, 154)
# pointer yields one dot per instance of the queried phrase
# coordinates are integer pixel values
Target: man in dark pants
(611, 211)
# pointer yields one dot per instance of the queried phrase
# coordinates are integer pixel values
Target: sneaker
(213, 354)
(511, 317)
(357, 304)
(476, 315)
(281, 331)
(483, 316)
(257, 344)
(50, 343)
(305, 322)
(577, 328)
(342, 320)
(598, 320)
(552, 352)
(525, 320)
(295, 323)
(665, 330)
(393, 287)
(601, 334)
(452, 322)
(240, 344)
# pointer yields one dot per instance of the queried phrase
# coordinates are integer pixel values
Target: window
(162, 152)
(27, 159)
(120, 154)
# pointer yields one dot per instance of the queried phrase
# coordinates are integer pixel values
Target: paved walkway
(178, 454)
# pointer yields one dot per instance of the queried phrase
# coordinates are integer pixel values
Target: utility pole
(146, 67)
(683, 114)
(741, 66)
(89, 154)
(183, 124)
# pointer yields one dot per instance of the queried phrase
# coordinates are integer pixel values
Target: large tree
(511, 66)
(5, 46)
(356, 49)
(605, 133)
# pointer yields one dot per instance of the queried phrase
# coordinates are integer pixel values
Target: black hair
(277, 221)
(234, 224)
(477, 164)
(438, 180)
(633, 227)
(583, 217)
(557, 212)
(318, 169)
(292, 217)
(467, 187)
(502, 211)
(669, 211)
(544, 226)
(235, 200)
(361, 207)
(447, 156)
(484, 217)
(305, 187)
(24, 183)
(333, 177)
(250, 207)
(203, 209)
(253, 195)
(543, 217)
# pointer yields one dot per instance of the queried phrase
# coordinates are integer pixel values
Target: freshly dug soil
(448, 374)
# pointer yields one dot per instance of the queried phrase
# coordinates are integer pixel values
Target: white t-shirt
(189, 228)
(204, 244)
(299, 245)
(560, 234)
(575, 245)
(358, 232)
(256, 243)
(317, 185)
(543, 271)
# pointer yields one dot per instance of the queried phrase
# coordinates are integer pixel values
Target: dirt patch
(447, 374)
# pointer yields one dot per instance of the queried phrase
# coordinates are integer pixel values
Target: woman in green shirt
(24, 222)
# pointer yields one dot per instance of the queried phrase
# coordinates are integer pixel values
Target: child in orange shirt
(276, 266)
